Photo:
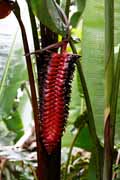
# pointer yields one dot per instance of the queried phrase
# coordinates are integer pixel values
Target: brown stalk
(16, 10)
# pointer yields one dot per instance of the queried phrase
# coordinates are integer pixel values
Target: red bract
(4, 9)
(55, 98)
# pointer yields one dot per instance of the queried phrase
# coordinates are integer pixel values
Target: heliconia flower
(54, 102)
(4, 9)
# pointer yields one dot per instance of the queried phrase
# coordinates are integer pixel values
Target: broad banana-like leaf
(93, 57)
(13, 73)
(117, 22)
(50, 14)
(117, 43)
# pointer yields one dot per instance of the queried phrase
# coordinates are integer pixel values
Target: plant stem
(35, 38)
(33, 171)
(114, 99)
(32, 86)
(34, 32)
(58, 1)
(91, 123)
(71, 147)
(109, 50)
(109, 75)
(52, 163)
(67, 8)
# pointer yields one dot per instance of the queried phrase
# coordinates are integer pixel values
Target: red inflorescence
(4, 9)
(55, 98)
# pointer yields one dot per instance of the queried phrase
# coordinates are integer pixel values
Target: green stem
(34, 31)
(67, 8)
(35, 37)
(58, 1)
(91, 123)
(109, 75)
(33, 172)
(71, 147)
(109, 50)
(114, 100)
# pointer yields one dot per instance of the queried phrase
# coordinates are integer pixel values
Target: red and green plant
(54, 68)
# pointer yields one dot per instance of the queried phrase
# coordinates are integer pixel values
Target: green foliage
(75, 19)
(78, 167)
(74, 112)
(117, 42)
(84, 140)
(6, 137)
(77, 15)
(14, 123)
(91, 169)
(81, 5)
(50, 14)
(11, 81)
(91, 33)
(93, 58)
(18, 170)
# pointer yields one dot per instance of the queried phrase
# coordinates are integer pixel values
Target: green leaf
(14, 124)
(91, 170)
(74, 112)
(24, 107)
(117, 41)
(80, 119)
(14, 74)
(84, 140)
(68, 137)
(81, 5)
(92, 166)
(93, 58)
(117, 22)
(75, 19)
(76, 92)
(6, 137)
(50, 14)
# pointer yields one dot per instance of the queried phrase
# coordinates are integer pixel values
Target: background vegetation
(83, 150)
